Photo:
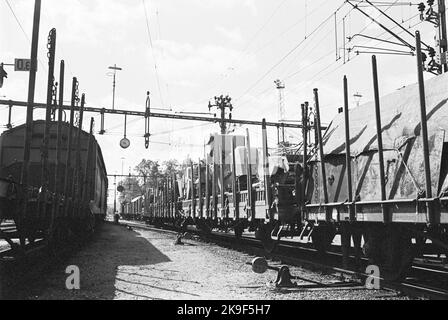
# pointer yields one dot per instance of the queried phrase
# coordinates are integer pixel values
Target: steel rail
(411, 289)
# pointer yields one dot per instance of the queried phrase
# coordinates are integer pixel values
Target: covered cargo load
(219, 151)
(402, 143)
(277, 163)
(241, 161)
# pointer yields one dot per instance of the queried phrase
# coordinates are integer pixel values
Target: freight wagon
(73, 204)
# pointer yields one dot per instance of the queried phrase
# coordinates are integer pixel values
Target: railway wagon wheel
(322, 238)
(390, 248)
(204, 226)
(264, 234)
(259, 234)
(238, 231)
(57, 239)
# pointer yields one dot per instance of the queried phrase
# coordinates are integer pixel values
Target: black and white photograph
(224, 157)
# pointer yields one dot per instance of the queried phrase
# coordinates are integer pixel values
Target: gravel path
(128, 264)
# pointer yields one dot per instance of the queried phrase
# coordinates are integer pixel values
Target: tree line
(153, 171)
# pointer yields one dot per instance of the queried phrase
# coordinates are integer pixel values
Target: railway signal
(19, 65)
(22, 65)
(3, 75)
(125, 142)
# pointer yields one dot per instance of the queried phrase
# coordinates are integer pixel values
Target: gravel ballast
(146, 265)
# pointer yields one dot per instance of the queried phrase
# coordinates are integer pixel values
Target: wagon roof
(39, 123)
(53, 124)
(400, 116)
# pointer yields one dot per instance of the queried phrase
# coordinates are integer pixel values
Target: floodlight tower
(280, 85)
(281, 108)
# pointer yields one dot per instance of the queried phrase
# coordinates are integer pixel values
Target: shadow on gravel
(160, 278)
(112, 247)
(156, 287)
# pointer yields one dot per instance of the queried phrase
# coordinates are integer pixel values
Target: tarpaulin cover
(223, 143)
(220, 148)
(276, 163)
(403, 147)
(400, 117)
(241, 159)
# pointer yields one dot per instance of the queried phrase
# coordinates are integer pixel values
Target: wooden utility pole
(222, 103)
(29, 111)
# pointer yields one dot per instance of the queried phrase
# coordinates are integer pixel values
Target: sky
(185, 52)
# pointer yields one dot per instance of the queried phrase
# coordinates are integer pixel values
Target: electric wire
(237, 61)
(22, 29)
(325, 55)
(289, 53)
(153, 52)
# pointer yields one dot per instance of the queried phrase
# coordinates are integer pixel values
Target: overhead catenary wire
(156, 68)
(289, 53)
(318, 43)
(383, 13)
(289, 75)
(17, 20)
(306, 17)
(265, 24)
(167, 87)
(389, 5)
(316, 78)
(290, 28)
(316, 62)
(22, 28)
(238, 60)
(267, 44)
(371, 22)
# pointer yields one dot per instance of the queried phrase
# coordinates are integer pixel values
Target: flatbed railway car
(64, 209)
(396, 228)
(277, 197)
(216, 193)
(134, 209)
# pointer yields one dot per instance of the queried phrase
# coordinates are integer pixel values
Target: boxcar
(43, 210)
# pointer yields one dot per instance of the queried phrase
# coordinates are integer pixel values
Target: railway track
(20, 267)
(426, 280)
(8, 254)
(15, 267)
